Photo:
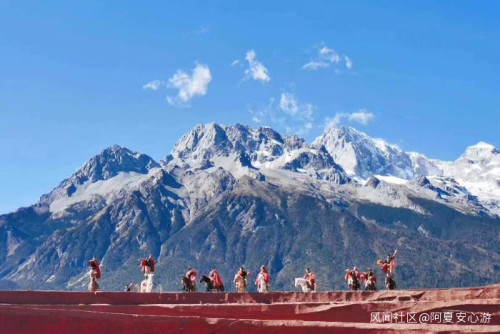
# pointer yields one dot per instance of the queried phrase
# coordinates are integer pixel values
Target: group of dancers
(388, 267)
(263, 280)
(214, 281)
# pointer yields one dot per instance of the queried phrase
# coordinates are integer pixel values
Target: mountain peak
(361, 155)
(348, 132)
(116, 148)
(113, 160)
(201, 143)
(263, 147)
(206, 141)
(105, 165)
(479, 152)
(483, 146)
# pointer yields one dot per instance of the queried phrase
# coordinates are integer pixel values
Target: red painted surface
(278, 312)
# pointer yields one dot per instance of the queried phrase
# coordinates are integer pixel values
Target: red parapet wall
(276, 312)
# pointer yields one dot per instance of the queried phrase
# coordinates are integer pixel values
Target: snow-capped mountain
(477, 171)
(363, 156)
(243, 150)
(423, 165)
(113, 168)
(228, 196)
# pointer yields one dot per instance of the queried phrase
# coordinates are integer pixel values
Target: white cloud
(153, 85)
(289, 104)
(256, 69)
(301, 112)
(314, 65)
(189, 86)
(327, 57)
(361, 116)
(348, 62)
(288, 113)
(236, 62)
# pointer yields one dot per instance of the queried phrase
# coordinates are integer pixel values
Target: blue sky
(422, 75)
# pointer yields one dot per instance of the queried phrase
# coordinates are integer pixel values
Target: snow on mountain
(102, 189)
(478, 170)
(316, 163)
(471, 181)
(364, 156)
(206, 141)
(243, 150)
(388, 191)
(400, 193)
(481, 153)
(227, 191)
(202, 143)
(423, 165)
(392, 179)
(110, 162)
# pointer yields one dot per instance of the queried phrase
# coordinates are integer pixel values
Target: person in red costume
(263, 280)
(352, 279)
(190, 277)
(95, 274)
(384, 266)
(311, 280)
(240, 280)
(148, 265)
(216, 280)
(370, 280)
(389, 267)
(356, 272)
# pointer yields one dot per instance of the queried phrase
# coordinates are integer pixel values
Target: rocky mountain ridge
(233, 195)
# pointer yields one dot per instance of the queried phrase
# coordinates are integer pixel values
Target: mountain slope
(113, 168)
(232, 196)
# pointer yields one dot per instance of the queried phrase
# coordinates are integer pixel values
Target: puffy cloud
(153, 85)
(361, 116)
(326, 57)
(256, 70)
(189, 86)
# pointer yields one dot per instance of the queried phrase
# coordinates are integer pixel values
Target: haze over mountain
(228, 196)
